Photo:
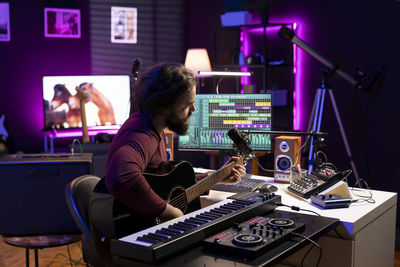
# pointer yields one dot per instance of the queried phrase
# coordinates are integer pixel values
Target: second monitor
(217, 113)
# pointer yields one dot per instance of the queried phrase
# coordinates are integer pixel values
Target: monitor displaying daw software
(216, 114)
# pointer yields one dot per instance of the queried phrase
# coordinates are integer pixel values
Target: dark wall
(353, 34)
(29, 56)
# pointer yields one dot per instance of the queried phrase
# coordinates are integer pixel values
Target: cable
(259, 165)
(73, 146)
(340, 236)
(69, 255)
(298, 151)
(369, 199)
(295, 208)
(305, 255)
(314, 244)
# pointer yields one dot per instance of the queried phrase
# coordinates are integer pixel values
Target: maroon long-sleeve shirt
(136, 148)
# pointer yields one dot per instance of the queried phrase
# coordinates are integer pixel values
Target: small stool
(39, 242)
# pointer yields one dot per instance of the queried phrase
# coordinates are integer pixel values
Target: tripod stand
(314, 123)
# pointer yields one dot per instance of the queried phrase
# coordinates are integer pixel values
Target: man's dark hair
(161, 86)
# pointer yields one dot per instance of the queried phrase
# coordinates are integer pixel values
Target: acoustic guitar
(179, 187)
(82, 101)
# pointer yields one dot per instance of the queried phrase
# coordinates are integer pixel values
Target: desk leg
(51, 145)
(36, 258)
(45, 143)
(27, 257)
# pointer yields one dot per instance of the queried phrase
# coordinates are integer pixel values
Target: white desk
(368, 230)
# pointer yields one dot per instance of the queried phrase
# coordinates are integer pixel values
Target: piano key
(205, 217)
(200, 219)
(150, 236)
(136, 247)
(225, 209)
(167, 225)
(147, 240)
(218, 210)
(171, 230)
(238, 205)
(176, 226)
(164, 232)
(157, 236)
(213, 214)
(232, 207)
(188, 225)
(244, 202)
(194, 221)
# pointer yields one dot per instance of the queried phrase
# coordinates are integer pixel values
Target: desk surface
(354, 218)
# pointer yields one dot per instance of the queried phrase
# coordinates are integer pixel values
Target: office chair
(78, 193)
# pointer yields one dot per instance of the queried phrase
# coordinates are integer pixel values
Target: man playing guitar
(164, 98)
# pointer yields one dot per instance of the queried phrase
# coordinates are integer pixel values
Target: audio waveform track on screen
(215, 114)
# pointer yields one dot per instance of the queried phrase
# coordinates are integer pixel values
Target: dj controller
(253, 237)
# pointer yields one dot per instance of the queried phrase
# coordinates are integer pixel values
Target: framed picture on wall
(62, 23)
(124, 25)
(5, 22)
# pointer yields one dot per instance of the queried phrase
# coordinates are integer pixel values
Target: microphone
(135, 67)
(289, 35)
(135, 70)
(239, 141)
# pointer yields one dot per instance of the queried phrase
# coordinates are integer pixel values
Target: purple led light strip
(245, 48)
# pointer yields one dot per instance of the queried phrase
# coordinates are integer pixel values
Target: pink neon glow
(297, 66)
(298, 81)
(5, 21)
(296, 104)
(62, 23)
(78, 132)
(244, 48)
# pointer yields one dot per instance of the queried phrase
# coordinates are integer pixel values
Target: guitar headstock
(81, 94)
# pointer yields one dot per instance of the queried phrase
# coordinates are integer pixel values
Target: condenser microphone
(239, 141)
(289, 35)
(135, 73)
(135, 67)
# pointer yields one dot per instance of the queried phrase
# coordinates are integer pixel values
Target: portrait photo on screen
(107, 100)
(62, 23)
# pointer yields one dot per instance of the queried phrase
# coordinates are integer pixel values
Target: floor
(58, 256)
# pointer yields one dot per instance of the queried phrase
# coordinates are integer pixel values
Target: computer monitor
(107, 100)
(216, 114)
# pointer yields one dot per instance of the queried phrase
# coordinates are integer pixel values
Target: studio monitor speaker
(32, 199)
(286, 148)
(169, 139)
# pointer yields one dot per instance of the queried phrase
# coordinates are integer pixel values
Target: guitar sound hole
(177, 198)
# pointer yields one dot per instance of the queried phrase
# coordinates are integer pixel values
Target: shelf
(222, 67)
(255, 26)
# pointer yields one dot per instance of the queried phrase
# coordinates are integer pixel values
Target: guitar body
(171, 186)
(178, 187)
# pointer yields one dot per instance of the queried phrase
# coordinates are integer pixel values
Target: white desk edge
(354, 218)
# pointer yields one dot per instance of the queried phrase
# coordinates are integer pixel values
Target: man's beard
(180, 127)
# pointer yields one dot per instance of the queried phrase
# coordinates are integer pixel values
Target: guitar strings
(181, 200)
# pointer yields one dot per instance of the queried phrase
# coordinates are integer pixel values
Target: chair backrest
(78, 194)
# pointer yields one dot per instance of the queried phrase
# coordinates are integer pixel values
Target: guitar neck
(199, 188)
(85, 135)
